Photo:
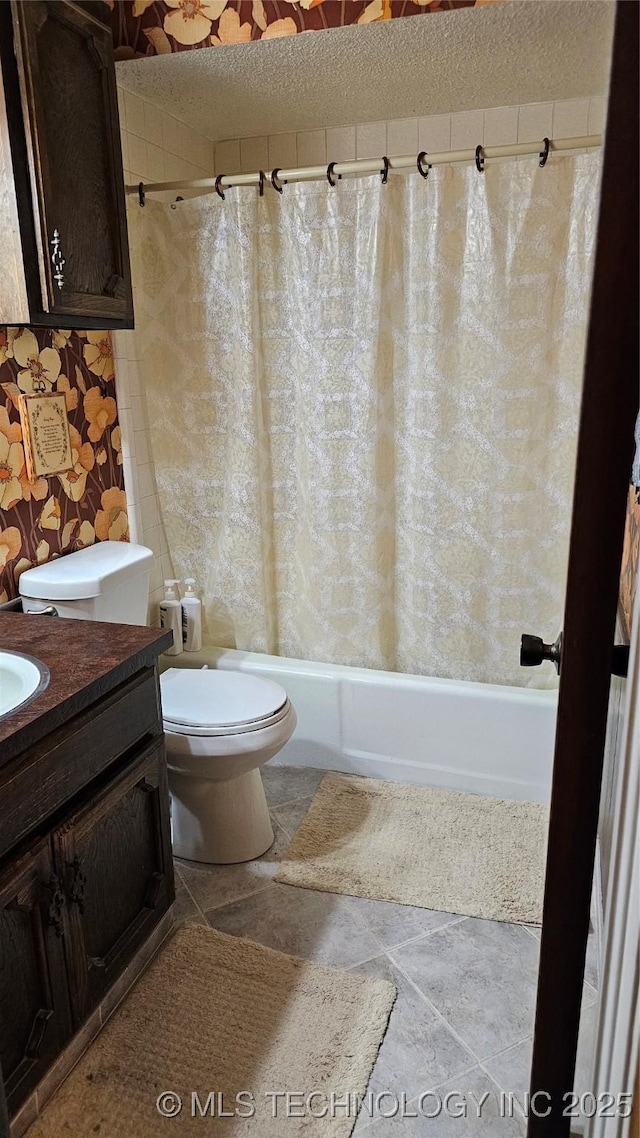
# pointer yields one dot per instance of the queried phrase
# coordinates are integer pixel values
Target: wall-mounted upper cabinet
(64, 258)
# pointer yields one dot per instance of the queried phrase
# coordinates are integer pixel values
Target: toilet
(220, 726)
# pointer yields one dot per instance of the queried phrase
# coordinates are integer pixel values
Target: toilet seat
(213, 703)
(218, 732)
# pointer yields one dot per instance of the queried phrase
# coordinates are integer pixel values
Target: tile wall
(499, 126)
(157, 146)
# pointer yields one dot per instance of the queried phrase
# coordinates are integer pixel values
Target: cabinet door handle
(152, 893)
(56, 904)
(115, 286)
(36, 1035)
(57, 260)
(78, 883)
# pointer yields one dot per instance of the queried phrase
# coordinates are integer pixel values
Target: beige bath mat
(439, 849)
(215, 1013)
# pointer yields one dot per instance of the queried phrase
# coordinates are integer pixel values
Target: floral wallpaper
(43, 519)
(160, 27)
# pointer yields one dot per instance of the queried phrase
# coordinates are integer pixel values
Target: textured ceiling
(525, 51)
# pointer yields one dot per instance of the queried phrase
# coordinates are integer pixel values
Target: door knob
(533, 651)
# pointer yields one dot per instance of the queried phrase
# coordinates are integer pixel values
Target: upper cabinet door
(64, 140)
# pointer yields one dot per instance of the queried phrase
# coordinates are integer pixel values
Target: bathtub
(480, 738)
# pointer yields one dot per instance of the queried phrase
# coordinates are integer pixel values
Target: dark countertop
(86, 660)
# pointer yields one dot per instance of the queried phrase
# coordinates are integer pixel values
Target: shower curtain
(363, 405)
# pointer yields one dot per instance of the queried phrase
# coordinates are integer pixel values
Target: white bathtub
(482, 738)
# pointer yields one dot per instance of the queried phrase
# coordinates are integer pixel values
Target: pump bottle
(191, 618)
(170, 616)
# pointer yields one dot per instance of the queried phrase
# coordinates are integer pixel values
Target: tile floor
(463, 1019)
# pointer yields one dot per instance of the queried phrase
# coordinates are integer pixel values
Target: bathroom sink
(21, 678)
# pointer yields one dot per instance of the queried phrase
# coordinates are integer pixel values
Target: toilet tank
(107, 581)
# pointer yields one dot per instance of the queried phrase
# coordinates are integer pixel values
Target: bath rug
(224, 1017)
(437, 849)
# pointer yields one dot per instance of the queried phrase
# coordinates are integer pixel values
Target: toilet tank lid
(87, 572)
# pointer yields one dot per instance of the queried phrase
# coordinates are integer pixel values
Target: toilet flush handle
(50, 610)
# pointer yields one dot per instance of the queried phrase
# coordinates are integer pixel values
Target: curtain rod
(370, 166)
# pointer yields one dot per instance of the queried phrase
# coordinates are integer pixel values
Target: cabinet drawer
(37, 783)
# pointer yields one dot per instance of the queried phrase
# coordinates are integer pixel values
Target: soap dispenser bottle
(170, 616)
(191, 618)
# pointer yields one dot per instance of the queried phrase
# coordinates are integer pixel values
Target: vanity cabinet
(35, 1011)
(62, 201)
(87, 871)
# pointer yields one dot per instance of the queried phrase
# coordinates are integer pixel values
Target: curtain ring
(217, 185)
(261, 183)
(479, 160)
(423, 169)
(274, 180)
(384, 173)
(141, 194)
(330, 168)
(544, 154)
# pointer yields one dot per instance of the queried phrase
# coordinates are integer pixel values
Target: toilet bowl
(220, 727)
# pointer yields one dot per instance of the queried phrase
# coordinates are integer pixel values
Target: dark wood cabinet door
(114, 858)
(35, 1019)
(66, 78)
